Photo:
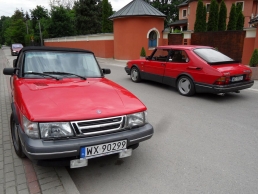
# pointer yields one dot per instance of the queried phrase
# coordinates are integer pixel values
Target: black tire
(15, 138)
(185, 86)
(135, 75)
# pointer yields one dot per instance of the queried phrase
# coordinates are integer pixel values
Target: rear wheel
(135, 75)
(185, 86)
(16, 139)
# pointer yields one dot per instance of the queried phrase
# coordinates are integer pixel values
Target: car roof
(48, 48)
(183, 47)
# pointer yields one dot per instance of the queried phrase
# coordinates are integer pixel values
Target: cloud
(8, 7)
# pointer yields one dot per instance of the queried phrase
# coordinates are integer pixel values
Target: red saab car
(192, 69)
(65, 110)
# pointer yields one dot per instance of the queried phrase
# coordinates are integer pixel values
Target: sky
(7, 7)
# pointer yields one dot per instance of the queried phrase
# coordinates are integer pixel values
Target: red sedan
(192, 69)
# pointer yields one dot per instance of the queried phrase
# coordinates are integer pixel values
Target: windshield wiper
(41, 74)
(64, 73)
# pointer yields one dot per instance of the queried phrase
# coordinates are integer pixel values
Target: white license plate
(103, 149)
(236, 79)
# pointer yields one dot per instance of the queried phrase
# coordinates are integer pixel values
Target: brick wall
(175, 39)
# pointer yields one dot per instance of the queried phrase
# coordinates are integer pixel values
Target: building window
(241, 3)
(152, 39)
(208, 7)
(184, 12)
(188, 10)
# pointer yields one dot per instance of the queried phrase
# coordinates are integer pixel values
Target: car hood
(233, 69)
(75, 99)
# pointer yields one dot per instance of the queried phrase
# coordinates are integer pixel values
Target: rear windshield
(17, 46)
(212, 56)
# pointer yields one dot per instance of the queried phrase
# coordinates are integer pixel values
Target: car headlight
(30, 128)
(55, 130)
(136, 119)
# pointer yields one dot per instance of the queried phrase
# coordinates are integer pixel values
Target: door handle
(195, 68)
(163, 64)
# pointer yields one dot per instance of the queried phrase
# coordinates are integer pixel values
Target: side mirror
(15, 63)
(147, 58)
(9, 71)
(106, 71)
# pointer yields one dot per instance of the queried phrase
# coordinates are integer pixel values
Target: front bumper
(38, 149)
(15, 53)
(127, 70)
(205, 88)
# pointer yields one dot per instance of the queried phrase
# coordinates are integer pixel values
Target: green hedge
(254, 59)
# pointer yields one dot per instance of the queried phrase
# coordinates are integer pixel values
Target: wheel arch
(135, 65)
(14, 113)
(185, 74)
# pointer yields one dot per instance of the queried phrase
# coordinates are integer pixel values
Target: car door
(179, 63)
(155, 67)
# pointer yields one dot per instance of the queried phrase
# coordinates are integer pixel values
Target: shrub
(143, 53)
(213, 16)
(199, 17)
(177, 31)
(254, 59)
(232, 18)
(222, 16)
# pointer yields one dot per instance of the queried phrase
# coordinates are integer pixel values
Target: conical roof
(137, 8)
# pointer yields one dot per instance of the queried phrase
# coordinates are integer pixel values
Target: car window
(178, 56)
(160, 55)
(83, 64)
(17, 46)
(211, 55)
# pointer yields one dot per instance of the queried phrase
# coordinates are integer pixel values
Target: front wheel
(16, 139)
(135, 75)
(185, 86)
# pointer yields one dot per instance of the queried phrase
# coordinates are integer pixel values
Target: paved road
(202, 144)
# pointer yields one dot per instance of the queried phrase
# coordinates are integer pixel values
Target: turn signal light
(248, 76)
(222, 81)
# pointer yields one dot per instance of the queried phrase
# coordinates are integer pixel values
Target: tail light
(248, 77)
(222, 80)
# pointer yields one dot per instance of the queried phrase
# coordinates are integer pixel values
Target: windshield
(82, 64)
(17, 46)
(211, 55)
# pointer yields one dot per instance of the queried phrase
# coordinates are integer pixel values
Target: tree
(254, 59)
(5, 22)
(213, 16)
(204, 24)
(167, 7)
(61, 23)
(88, 16)
(232, 18)
(16, 32)
(107, 25)
(18, 14)
(240, 17)
(222, 16)
(38, 13)
(199, 17)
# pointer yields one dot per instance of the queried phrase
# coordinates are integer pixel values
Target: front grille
(99, 126)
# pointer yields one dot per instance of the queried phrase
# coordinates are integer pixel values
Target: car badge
(247, 71)
(99, 111)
